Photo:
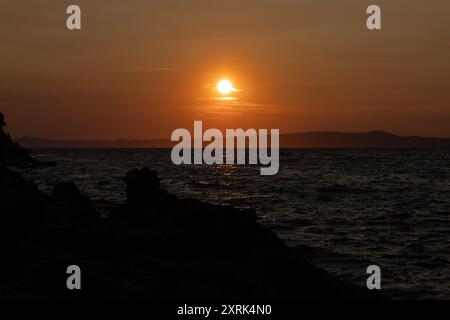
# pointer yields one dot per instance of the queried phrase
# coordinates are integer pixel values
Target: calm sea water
(342, 209)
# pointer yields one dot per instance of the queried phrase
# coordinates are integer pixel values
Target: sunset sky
(140, 69)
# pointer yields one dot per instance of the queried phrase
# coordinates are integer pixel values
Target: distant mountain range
(373, 139)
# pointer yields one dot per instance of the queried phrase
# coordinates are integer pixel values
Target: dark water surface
(343, 209)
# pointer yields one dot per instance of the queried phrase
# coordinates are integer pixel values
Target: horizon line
(287, 133)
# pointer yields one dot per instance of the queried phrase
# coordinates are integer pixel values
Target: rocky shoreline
(154, 246)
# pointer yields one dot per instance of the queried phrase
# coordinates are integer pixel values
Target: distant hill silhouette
(373, 139)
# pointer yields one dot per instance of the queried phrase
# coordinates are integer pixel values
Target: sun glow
(225, 87)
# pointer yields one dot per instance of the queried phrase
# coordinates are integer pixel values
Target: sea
(342, 210)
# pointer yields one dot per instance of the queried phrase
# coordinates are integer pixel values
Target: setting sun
(225, 87)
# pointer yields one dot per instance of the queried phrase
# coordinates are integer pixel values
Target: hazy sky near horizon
(140, 69)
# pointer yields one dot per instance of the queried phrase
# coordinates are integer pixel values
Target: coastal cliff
(11, 153)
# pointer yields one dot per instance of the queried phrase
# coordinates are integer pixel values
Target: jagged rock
(146, 200)
(67, 196)
(143, 186)
(22, 205)
(193, 250)
(188, 227)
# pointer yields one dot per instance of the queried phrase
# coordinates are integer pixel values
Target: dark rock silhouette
(11, 153)
(22, 206)
(155, 246)
(2, 121)
(143, 188)
(69, 200)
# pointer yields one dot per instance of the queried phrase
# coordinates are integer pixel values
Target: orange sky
(140, 69)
